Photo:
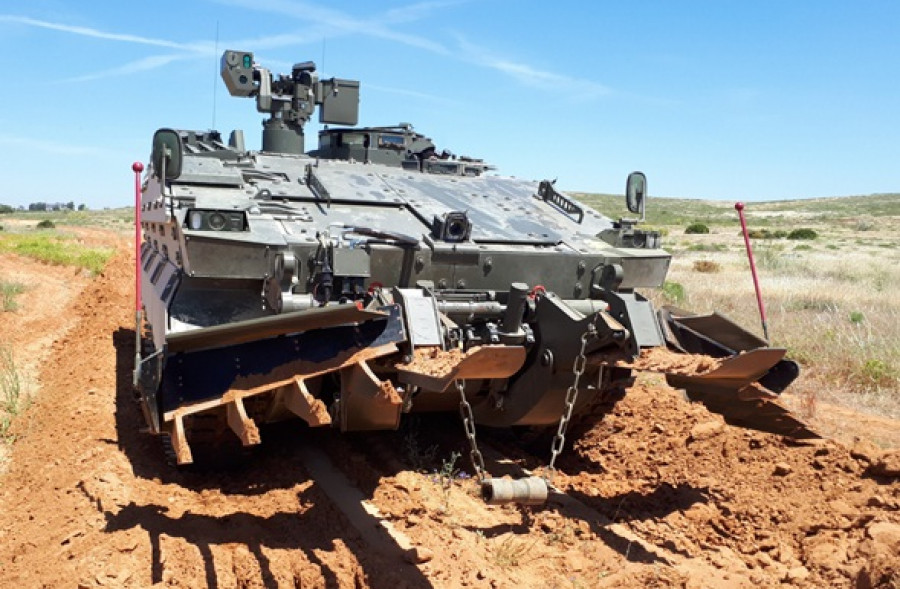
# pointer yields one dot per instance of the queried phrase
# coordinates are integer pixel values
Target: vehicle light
(195, 220)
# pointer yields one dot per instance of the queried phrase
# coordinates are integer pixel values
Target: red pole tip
(137, 167)
(739, 206)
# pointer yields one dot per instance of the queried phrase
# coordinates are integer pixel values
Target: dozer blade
(435, 369)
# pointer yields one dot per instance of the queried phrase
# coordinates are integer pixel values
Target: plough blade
(732, 391)
(258, 370)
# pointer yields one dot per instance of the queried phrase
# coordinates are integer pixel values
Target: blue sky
(726, 100)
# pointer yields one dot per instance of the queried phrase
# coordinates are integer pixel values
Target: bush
(674, 292)
(865, 224)
(803, 233)
(46, 224)
(706, 266)
(766, 234)
(696, 229)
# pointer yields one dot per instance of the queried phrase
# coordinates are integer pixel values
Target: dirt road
(658, 493)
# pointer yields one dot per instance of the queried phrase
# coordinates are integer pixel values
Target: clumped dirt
(433, 361)
(663, 360)
(657, 492)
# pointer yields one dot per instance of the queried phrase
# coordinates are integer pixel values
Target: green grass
(8, 293)
(56, 249)
(119, 218)
(683, 211)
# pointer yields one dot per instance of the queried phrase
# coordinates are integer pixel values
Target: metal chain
(469, 426)
(559, 440)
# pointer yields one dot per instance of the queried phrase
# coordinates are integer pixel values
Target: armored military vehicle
(377, 275)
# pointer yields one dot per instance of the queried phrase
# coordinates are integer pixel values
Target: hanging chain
(469, 426)
(559, 440)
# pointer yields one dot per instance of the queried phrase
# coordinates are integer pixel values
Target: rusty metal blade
(737, 371)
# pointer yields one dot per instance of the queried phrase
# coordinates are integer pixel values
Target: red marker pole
(137, 168)
(739, 207)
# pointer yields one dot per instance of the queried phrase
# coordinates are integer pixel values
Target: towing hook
(526, 491)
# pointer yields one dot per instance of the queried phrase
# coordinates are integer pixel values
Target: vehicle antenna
(215, 77)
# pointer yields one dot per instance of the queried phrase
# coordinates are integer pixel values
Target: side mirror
(167, 154)
(636, 193)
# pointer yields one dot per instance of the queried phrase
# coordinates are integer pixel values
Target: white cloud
(52, 147)
(573, 88)
(333, 23)
(97, 34)
(140, 65)
(412, 94)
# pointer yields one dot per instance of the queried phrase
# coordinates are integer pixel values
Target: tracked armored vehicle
(376, 275)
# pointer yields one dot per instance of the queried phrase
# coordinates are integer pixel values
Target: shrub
(674, 292)
(46, 224)
(766, 234)
(696, 229)
(865, 224)
(707, 247)
(8, 293)
(856, 317)
(803, 233)
(706, 266)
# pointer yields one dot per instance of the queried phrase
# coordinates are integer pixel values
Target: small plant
(696, 229)
(10, 384)
(5, 424)
(510, 552)
(673, 292)
(8, 293)
(877, 372)
(706, 266)
(856, 317)
(448, 476)
(770, 257)
(46, 224)
(803, 233)
(865, 224)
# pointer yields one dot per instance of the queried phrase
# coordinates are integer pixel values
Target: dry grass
(832, 303)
